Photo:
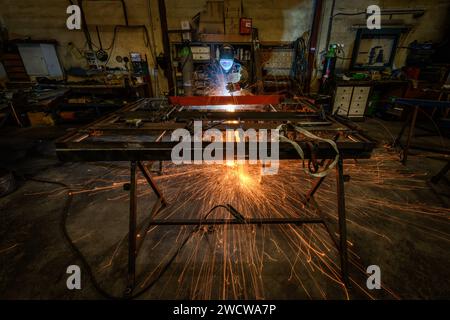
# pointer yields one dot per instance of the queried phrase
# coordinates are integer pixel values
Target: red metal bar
(224, 100)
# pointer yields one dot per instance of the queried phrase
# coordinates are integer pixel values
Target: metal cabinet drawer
(361, 90)
(351, 101)
(360, 94)
(342, 111)
(341, 108)
(342, 100)
(357, 108)
(343, 93)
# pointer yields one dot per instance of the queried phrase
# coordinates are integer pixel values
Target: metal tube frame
(77, 147)
(133, 244)
(133, 247)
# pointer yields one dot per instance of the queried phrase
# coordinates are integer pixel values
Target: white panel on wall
(51, 60)
(41, 60)
(33, 59)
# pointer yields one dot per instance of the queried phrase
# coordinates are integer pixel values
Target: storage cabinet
(351, 101)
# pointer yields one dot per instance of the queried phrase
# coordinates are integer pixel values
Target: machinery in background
(420, 54)
(137, 64)
(91, 60)
(192, 65)
(329, 66)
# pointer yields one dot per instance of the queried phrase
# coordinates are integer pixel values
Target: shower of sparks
(243, 261)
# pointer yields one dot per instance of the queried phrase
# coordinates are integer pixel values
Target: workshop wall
(431, 26)
(276, 20)
(280, 20)
(28, 18)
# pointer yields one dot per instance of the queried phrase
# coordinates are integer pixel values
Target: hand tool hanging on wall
(101, 54)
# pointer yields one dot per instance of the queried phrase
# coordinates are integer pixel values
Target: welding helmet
(226, 58)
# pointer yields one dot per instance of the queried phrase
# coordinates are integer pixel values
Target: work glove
(233, 87)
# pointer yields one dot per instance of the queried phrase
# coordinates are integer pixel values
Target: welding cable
(73, 247)
(85, 263)
(283, 138)
(167, 265)
(76, 250)
(82, 258)
(235, 213)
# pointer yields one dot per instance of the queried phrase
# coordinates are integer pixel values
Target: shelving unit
(276, 64)
(243, 51)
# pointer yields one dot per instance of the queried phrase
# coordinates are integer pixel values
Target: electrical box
(245, 26)
(137, 63)
(185, 25)
(201, 53)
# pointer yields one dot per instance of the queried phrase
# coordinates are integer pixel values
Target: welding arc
(299, 149)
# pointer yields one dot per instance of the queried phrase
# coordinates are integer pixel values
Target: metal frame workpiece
(141, 132)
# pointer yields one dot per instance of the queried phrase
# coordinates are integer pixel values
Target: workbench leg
(410, 134)
(151, 182)
(14, 113)
(132, 229)
(314, 188)
(319, 181)
(435, 179)
(402, 130)
(342, 221)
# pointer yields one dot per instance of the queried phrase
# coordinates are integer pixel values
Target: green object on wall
(359, 76)
(185, 52)
(373, 104)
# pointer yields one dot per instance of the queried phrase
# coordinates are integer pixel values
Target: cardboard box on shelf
(211, 19)
(214, 12)
(231, 25)
(185, 25)
(233, 12)
(211, 27)
(231, 38)
(232, 4)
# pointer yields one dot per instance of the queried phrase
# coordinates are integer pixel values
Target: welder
(228, 74)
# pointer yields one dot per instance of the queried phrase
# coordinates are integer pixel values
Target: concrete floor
(395, 220)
